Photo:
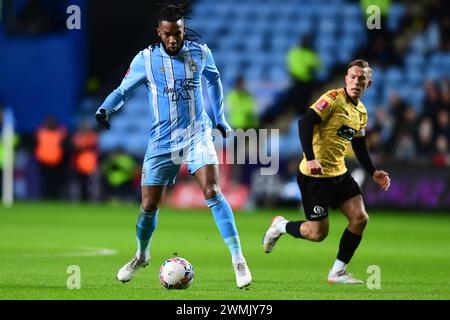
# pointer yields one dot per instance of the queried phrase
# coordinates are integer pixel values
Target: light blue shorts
(162, 169)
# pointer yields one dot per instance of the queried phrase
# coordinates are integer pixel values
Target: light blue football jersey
(174, 92)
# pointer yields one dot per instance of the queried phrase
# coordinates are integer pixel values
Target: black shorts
(320, 193)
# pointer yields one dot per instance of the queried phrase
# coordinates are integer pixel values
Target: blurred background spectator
(51, 154)
(85, 159)
(242, 112)
(34, 17)
(302, 63)
(16, 141)
(119, 170)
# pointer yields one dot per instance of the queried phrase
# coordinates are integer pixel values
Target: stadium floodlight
(8, 158)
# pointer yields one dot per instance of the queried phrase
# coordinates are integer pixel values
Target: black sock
(293, 228)
(347, 246)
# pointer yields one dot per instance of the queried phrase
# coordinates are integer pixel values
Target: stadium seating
(251, 38)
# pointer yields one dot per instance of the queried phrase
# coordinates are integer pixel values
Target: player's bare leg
(355, 212)
(151, 201)
(357, 217)
(310, 230)
(315, 231)
(208, 179)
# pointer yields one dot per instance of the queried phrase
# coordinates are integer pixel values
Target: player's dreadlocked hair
(175, 12)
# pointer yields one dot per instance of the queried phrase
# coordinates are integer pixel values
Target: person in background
(85, 157)
(119, 170)
(16, 141)
(243, 115)
(242, 107)
(302, 63)
(50, 153)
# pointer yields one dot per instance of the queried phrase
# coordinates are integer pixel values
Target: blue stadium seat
(370, 98)
(434, 74)
(328, 26)
(268, 46)
(121, 123)
(415, 60)
(419, 44)
(344, 56)
(369, 101)
(396, 12)
(137, 144)
(253, 74)
(323, 74)
(377, 75)
(284, 11)
(352, 12)
(394, 76)
(414, 97)
(349, 43)
(303, 26)
(304, 11)
(325, 42)
(110, 140)
(255, 42)
(414, 76)
(279, 74)
(440, 61)
(283, 43)
(289, 142)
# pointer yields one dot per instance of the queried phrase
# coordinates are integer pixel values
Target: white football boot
(127, 272)
(243, 274)
(272, 235)
(343, 277)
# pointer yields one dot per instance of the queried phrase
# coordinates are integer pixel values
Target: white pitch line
(89, 252)
(74, 252)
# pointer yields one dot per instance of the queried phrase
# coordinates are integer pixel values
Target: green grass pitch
(39, 241)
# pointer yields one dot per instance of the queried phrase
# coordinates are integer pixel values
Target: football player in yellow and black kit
(330, 124)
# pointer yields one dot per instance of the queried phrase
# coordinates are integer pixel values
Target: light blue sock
(223, 215)
(145, 226)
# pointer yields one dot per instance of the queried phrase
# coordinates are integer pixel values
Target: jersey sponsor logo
(193, 67)
(333, 94)
(318, 212)
(181, 89)
(346, 132)
(321, 105)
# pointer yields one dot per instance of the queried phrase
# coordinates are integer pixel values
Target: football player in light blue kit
(180, 129)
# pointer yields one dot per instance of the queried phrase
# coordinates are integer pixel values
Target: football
(176, 273)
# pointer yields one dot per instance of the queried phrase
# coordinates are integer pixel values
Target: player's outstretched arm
(135, 76)
(215, 93)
